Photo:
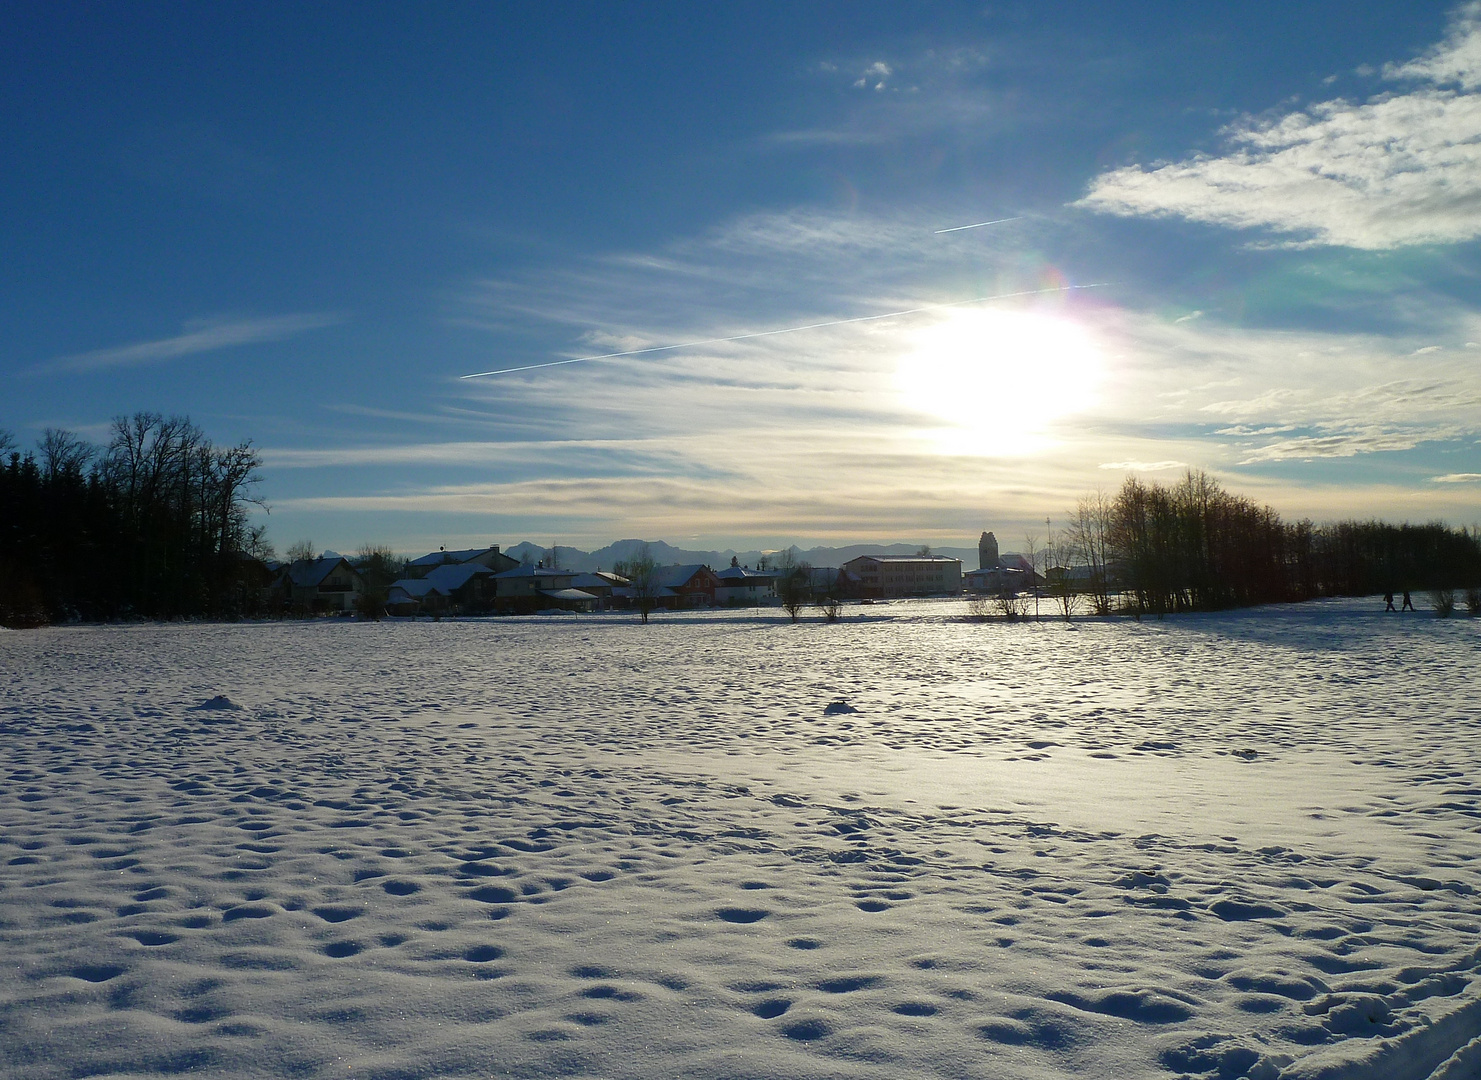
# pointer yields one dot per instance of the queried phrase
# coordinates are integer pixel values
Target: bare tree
(1032, 550)
(256, 544)
(300, 551)
(1058, 572)
(795, 584)
(1090, 541)
(642, 571)
(64, 455)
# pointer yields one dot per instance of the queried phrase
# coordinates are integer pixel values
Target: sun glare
(998, 380)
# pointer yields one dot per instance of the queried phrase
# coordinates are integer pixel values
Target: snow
(1217, 846)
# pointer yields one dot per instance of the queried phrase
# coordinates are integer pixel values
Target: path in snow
(1218, 846)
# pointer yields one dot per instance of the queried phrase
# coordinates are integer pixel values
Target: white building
(904, 575)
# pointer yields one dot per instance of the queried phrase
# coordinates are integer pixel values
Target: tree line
(152, 524)
(155, 524)
(1192, 546)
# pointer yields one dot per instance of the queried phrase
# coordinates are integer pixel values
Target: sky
(1241, 238)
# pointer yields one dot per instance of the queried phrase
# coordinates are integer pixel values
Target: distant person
(1388, 601)
(1408, 604)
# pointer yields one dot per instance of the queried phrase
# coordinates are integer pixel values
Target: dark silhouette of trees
(1196, 547)
(380, 568)
(154, 524)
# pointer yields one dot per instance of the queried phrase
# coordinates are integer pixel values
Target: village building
(883, 576)
(688, 586)
(490, 557)
(446, 589)
(740, 586)
(600, 586)
(416, 596)
(1010, 574)
(987, 552)
(526, 588)
(329, 584)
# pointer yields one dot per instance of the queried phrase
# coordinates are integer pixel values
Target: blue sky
(1244, 238)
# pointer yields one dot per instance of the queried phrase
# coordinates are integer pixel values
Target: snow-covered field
(1235, 845)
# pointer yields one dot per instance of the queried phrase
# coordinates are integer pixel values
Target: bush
(1473, 601)
(1443, 601)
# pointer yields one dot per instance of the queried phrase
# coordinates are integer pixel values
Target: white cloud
(1368, 440)
(1456, 60)
(1457, 478)
(199, 336)
(874, 76)
(1143, 466)
(1402, 168)
(1304, 395)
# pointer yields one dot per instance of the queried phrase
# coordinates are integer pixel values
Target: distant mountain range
(569, 558)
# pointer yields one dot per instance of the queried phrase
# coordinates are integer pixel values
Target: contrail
(978, 225)
(784, 330)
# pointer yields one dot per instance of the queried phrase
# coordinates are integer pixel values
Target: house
(688, 586)
(1011, 574)
(448, 589)
(740, 586)
(994, 580)
(599, 586)
(470, 586)
(490, 557)
(329, 584)
(416, 596)
(902, 575)
(525, 588)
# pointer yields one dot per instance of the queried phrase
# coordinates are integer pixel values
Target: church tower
(987, 552)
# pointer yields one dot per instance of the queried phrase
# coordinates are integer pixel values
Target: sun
(997, 381)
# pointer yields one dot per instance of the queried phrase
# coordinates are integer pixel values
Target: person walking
(1408, 604)
(1388, 601)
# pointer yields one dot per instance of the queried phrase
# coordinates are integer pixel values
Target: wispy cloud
(1402, 168)
(1457, 478)
(198, 336)
(1143, 466)
(810, 433)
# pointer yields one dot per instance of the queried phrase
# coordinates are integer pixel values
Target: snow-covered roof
(895, 560)
(733, 575)
(416, 588)
(591, 581)
(566, 594)
(527, 571)
(673, 577)
(437, 558)
(451, 576)
(310, 572)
